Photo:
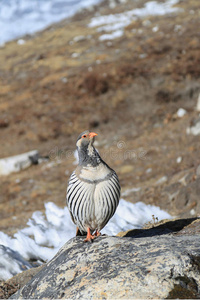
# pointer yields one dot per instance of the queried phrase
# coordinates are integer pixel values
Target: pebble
(198, 171)
(74, 55)
(195, 130)
(155, 28)
(198, 103)
(64, 79)
(181, 112)
(179, 160)
(21, 42)
(149, 170)
(143, 55)
(162, 180)
(129, 191)
(146, 23)
(79, 38)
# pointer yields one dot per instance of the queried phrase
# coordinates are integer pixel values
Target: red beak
(92, 134)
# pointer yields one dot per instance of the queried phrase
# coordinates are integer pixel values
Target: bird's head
(87, 153)
(85, 139)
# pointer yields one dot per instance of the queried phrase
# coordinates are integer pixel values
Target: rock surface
(150, 263)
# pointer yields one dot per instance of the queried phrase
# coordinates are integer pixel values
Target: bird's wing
(79, 199)
(107, 194)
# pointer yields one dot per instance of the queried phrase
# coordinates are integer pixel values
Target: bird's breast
(93, 196)
(93, 174)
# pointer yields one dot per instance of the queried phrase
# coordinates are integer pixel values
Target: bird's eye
(84, 136)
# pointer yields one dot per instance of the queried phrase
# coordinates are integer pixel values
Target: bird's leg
(89, 237)
(78, 231)
(97, 233)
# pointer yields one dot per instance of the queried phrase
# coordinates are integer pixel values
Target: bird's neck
(88, 156)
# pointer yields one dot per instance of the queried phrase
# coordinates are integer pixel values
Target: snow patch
(116, 23)
(20, 17)
(111, 36)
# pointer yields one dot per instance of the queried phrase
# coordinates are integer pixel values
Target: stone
(22, 278)
(195, 128)
(149, 263)
(182, 193)
(18, 162)
(198, 103)
(181, 112)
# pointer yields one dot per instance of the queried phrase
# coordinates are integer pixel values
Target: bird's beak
(92, 134)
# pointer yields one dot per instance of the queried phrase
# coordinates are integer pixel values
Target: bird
(93, 190)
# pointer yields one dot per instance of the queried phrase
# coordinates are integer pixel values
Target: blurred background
(126, 69)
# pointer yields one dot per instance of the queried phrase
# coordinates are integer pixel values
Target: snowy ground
(113, 25)
(20, 17)
(45, 234)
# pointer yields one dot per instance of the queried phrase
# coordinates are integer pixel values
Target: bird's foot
(90, 237)
(97, 233)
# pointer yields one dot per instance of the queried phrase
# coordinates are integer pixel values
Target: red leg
(97, 233)
(77, 231)
(89, 237)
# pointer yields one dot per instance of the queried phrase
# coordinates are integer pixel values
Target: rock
(18, 162)
(149, 263)
(198, 103)
(198, 171)
(181, 112)
(11, 286)
(181, 194)
(195, 128)
(188, 196)
(79, 38)
(22, 278)
(6, 290)
(162, 180)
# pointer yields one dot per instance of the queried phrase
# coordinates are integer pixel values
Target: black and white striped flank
(93, 202)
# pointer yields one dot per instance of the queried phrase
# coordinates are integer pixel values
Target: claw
(89, 237)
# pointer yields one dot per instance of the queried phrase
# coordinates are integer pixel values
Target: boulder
(12, 285)
(158, 262)
(18, 162)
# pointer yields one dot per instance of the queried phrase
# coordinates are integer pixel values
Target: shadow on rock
(174, 226)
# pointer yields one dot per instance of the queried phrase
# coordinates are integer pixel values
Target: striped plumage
(93, 191)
